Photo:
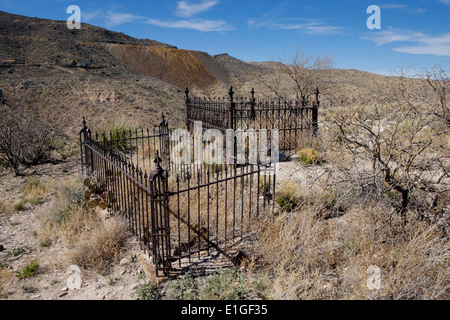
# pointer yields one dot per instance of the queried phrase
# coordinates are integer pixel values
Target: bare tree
(29, 133)
(301, 74)
(401, 147)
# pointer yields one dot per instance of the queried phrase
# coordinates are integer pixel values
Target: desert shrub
(223, 285)
(29, 270)
(309, 258)
(97, 246)
(399, 148)
(309, 156)
(147, 291)
(287, 197)
(28, 134)
(93, 244)
(184, 288)
(115, 135)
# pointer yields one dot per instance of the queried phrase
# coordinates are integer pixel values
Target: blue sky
(413, 33)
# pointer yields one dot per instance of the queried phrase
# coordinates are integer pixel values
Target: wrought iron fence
(293, 118)
(176, 215)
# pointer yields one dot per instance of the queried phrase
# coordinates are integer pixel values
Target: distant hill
(36, 41)
(105, 75)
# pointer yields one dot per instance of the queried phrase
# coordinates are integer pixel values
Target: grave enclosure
(182, 211)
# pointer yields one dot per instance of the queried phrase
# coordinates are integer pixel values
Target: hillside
(105, 75)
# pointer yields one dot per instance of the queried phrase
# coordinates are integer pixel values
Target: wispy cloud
(110, 18)
(196, 24)
(403, 7)
(114, 18)
(421, 43)
(186, 9)
(310, 26)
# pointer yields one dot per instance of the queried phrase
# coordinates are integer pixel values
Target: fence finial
(231, 93)
(158, 161)
(84, 128)
(163, 122)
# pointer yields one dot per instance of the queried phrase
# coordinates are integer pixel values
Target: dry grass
(224, 208)
(310, 258)
(93, 244)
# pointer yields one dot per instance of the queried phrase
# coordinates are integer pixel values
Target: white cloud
(110, 18)
(437, 50)
(306, 25)
(114, 18)
(392, 6)
(186, 9)
(197, 24)
(88, 16)
(403, 7)
(421, 43)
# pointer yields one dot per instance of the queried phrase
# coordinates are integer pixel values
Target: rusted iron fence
(177, 215)
(293, 118)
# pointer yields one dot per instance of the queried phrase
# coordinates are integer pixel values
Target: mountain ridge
(144, 76)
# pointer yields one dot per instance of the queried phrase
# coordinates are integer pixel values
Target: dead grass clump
(288, 197)
(92, 243)
(96, 244)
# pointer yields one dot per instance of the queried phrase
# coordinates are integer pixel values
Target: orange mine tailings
(183, 68)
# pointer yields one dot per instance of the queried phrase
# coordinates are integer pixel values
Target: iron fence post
(252, 104)
(315, 113)
(188, 108)
(231, 107)
(85, 133)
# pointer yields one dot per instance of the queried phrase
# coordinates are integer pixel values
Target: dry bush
(399, 149)
(30, 132)
(301, 73)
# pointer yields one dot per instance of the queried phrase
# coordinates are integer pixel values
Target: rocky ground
(53, 280)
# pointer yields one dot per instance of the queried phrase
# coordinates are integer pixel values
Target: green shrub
(29, 270)
(224, 285)
(148, 291)
(184, 288)
(116, 136)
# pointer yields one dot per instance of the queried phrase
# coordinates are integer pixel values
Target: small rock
(65, 289)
